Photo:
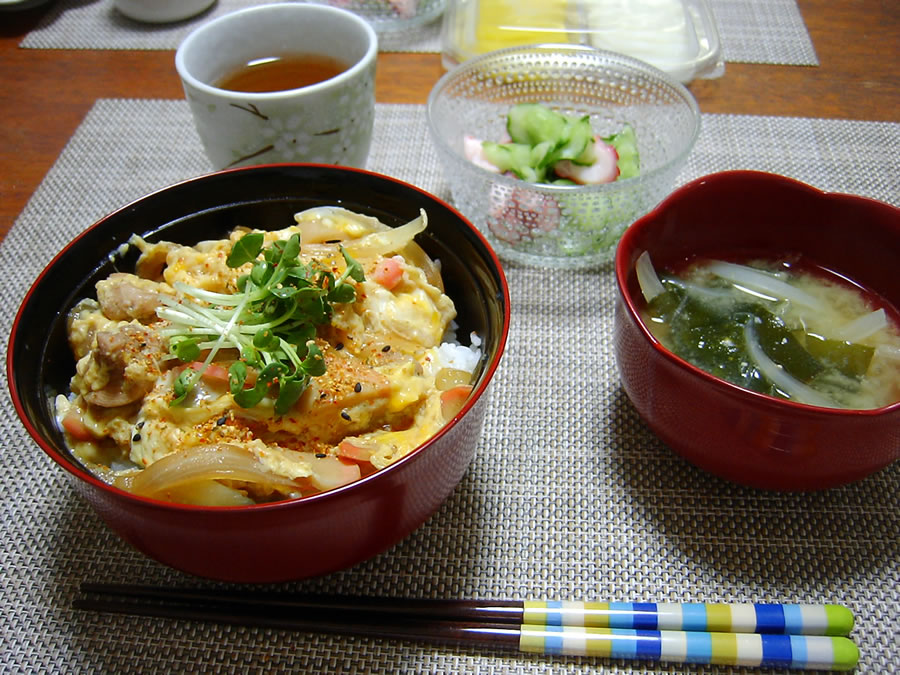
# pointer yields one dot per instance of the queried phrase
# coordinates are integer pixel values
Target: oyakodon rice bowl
(280, 400)
(266, 365)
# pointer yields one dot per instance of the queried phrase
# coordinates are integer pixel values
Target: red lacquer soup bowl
(286, 540)
(744, 436)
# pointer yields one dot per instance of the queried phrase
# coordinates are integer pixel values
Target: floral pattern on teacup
(307, 135)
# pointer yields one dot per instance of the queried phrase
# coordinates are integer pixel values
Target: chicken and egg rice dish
(265, 366)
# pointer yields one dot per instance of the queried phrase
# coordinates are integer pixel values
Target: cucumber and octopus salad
(545, 146)
(550, 148)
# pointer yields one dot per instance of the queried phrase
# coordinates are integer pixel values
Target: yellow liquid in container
(507, 23)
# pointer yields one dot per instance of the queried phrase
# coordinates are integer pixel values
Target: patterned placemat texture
(570, 496)
(751, 31)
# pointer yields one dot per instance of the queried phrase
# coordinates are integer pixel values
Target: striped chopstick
(792, 619)
(767, 635)
(809, 652)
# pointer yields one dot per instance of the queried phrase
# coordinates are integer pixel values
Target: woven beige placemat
(751, 31)
(569, 496)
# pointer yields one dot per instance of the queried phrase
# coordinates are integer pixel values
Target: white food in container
(680, 37)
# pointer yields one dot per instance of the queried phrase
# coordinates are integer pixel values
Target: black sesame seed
(339, 346)
(221, 421)
(320, 455)
(136, 438)
(386, 348)
(332, 241)
(140, 425)
(345, 415)
(357, 387)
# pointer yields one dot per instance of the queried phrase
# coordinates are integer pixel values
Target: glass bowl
(553, 225)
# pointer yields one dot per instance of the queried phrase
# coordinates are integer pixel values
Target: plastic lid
(679, 37)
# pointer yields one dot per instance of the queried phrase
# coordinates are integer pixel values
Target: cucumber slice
(576, 145)
(625, 143)
(533, 123)
(514, 157)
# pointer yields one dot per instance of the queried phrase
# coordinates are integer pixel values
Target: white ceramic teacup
(329, 122)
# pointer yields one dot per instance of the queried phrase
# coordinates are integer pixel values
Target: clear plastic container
(680, 37)
(391, 17)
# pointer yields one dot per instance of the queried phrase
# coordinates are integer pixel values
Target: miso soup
(783, 328)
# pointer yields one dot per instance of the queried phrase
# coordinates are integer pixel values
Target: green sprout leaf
(342, 293)
(237, 375)
(247, 398)
(266, 340)
(185, 348)
(300, 335)
(354, 269)
(288, 394)
(183, 384)
(245, 249)
(314, 363)
(271, 321)
(261, 273)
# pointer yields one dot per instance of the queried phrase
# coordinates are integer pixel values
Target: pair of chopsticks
(766, 635)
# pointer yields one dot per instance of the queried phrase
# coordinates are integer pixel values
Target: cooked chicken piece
(122, 368)
(125, 296)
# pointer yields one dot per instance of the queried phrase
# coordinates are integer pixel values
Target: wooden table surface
(45, 94)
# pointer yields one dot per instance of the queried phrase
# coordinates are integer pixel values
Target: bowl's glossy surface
(737, 434)
(554, 225)
(285, 540)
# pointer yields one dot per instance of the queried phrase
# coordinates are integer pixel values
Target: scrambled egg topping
(384, 391)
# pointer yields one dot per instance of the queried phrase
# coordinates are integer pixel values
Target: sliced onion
(761, 281)
(391, 240)
(453, 400)
(650, 284)
(208, 493)
(447, 378)
(794, 388)
(327, 223)
(417, 256)
(329, 472)
(888, 352)
(221, 461)
(862, 327)
(703, 293)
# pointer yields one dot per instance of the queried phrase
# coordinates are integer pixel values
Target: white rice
(457, 356)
